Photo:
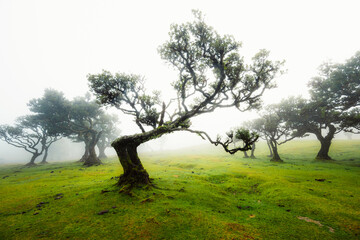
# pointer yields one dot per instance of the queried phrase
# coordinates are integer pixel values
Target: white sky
(55, 44)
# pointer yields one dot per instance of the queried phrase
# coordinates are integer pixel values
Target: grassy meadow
(200, 193)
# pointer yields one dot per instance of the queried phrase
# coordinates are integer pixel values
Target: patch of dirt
(316, 222)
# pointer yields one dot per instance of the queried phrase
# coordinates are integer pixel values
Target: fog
(55, 44)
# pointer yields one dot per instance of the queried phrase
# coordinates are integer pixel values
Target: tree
(315, 116)
(51, 111)
(340, 83)
(249, 125)
(339, 86)
(83, 121)
(107, 125)
(194, 50)
(272, 127)
(351, 121)
(27, 134)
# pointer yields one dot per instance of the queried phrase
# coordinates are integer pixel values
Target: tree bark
(86, 153)
(323, 153)
(43, 161)
(126, 149)
(252, 151)
(32, 160)
(246, 155)
(276, 156)
(271, 153)
(92, 159)
(101, 151)
(325, 142)
(134, 172)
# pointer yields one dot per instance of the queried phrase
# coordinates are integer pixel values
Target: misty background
(55, 44)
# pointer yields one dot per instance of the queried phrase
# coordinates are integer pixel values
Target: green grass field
(201, 193)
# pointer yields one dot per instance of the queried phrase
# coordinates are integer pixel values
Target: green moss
(210, 195)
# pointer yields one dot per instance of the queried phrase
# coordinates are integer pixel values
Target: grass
(201, 193)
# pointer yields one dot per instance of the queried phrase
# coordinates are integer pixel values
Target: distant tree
(83, 120)
(249, 125)
(109, 132)
(338, 85)
(315, 116)
(272, 127)
(351, 121)
(195, 50)
(28, 134)
(79, 139)
(51, 111)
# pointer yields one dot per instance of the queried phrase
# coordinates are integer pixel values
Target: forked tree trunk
(43, 161)
(323, 153)
(92, 159)
(276, 156)
(252, 151)
(325, 142)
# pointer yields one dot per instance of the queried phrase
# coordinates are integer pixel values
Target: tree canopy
(212, 74)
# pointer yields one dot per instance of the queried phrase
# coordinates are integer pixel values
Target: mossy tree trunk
(134, 172)
(126, 148)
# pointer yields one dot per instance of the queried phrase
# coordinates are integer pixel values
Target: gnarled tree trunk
(126, 149)
(92, 159)
(134, 172)
(43, 161)
(246, 155)
(323, 153)
(32, 160)
(325, 142)
(276, 156)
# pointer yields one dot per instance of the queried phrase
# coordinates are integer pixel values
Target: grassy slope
(201, 194)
